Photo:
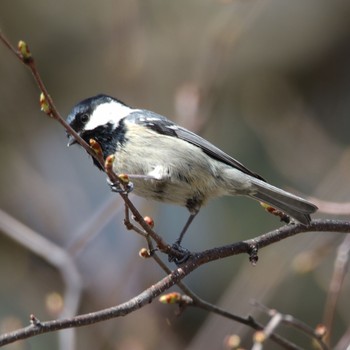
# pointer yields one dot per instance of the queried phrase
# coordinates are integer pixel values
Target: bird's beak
(71, 140)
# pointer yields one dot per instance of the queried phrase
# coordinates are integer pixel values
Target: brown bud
(321, 330)
(170, 298)
(259, 337)
(232, 342)
(144, 253)
(95, 146)
(109, 162)
(149, 221)
(44, 105)
(24, 51)
(284, 217)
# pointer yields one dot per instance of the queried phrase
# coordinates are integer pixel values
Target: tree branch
(195, 260)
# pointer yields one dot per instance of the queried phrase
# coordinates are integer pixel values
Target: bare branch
(53, 112)
(195, 260)
(133, 304)
(271, 237)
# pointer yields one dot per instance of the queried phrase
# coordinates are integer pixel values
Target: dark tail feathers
(294, 206)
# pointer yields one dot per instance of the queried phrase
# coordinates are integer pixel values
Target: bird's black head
(99, 118)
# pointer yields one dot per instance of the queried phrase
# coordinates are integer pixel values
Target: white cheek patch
(107, 112)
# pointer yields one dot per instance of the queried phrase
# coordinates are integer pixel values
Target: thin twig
(204, 305)
(340, 268)
(93, 225)
(53, 112)
(248, 321)
(277, 318)
(54, 255)
(261, 336)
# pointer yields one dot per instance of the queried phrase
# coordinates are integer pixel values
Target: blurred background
(267, 81)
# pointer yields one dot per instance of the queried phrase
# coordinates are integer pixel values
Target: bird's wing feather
(164, 126)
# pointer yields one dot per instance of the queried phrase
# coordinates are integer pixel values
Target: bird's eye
(84, 118)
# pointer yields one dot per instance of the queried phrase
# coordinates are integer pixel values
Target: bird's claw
(120, 187)
(185, 254)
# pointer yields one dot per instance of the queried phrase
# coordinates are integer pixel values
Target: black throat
(108, 137)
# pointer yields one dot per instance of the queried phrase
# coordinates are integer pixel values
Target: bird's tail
(294, 206)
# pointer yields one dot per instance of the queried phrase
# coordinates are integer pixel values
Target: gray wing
(164, 126)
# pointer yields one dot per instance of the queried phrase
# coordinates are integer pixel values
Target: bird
(171, 164)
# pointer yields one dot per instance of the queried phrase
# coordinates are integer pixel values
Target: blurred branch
(333, 208)
(195, 100)
(340, 269)
(344, 341)
(93, 225)
(249, 321)
(121, 310)
(54, 255)
(277, 318)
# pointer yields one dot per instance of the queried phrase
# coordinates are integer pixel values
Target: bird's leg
(177, 245)
(185, 228)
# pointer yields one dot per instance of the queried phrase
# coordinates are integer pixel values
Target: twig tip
(24, 51)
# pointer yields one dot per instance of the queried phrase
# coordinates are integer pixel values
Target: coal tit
(170, 164)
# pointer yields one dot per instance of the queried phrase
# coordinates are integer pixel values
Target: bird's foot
(120, 187)
(181, 257)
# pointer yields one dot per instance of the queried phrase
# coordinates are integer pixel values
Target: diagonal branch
(195, 260)
(25, 56)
